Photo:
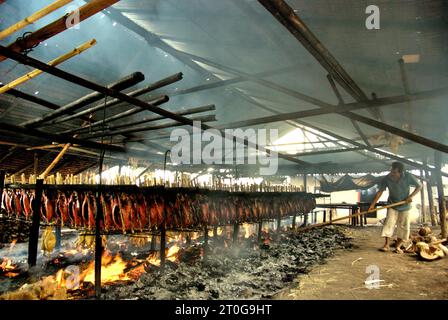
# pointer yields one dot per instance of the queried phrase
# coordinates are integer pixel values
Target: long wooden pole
(55, 161)
(34, 17)
(351, 216)
(53, 63)
(60, 25)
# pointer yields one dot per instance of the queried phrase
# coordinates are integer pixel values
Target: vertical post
(432, 213)
(58, 237)
(162, 244)
(331, 215)
(36, 164)
(153, 243)
(34, 231)
(440, 193)
(188, 239)
(305, 182)
(205, 240)
(305, 219)
(324, 218)
(260, 230)
(236, 231)
(294, 221)
(422, 198)
(279, 222)
(98, 246)
(2, 182)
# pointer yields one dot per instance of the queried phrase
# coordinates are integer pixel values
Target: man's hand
(372, 206)
(409, 200)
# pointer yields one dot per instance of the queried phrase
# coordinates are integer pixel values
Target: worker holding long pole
(398, 182)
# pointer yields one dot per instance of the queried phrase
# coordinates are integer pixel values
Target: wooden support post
(324, 218)
(188, 239)
(260, 230)
(163, 242)
(331, 215)
(205, 240)
(440, 193)
(279, 222)
(294, 221)
(58, 230)
(2, 181)
(432, 213)
(153, 243)
(34, 231)
(215, 233)
(422, 198)
(305, 183)
(98, 246)
(36, 164)
(236, 231)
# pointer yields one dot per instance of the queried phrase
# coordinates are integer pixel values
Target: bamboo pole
(59, 25)
(49, 146)
(55, 161)
(351, 216)
(52, 63)
(34, 17)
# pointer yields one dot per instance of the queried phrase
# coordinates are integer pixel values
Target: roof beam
(341, 102)
(353, 106)
(123, 97)
(289, 18)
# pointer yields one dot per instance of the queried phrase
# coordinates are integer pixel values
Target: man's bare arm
(416, 190)
(375, 200)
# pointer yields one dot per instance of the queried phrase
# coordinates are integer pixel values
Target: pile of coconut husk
(426, 245)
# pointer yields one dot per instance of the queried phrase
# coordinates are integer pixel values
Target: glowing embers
(8, 268)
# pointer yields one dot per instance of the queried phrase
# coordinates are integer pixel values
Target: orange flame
(9, 269)
(247, 230)
(112, 270)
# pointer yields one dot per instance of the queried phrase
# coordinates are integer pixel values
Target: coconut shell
(428, 252)
(424, 231)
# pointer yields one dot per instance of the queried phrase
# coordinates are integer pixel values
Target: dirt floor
(343, 276)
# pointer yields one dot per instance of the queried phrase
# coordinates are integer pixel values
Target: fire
(194, 235)
(172, 253)
(112, 270)
(9, 269)
(7, 265)
(247, 230)
(13, 243)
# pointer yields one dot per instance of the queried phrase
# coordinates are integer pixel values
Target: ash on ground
(241, 272)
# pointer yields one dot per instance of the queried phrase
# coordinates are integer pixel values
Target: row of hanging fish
(144, 210)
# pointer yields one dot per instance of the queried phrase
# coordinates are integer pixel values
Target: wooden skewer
(34, 17)
(53, 63)
(351, 216)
